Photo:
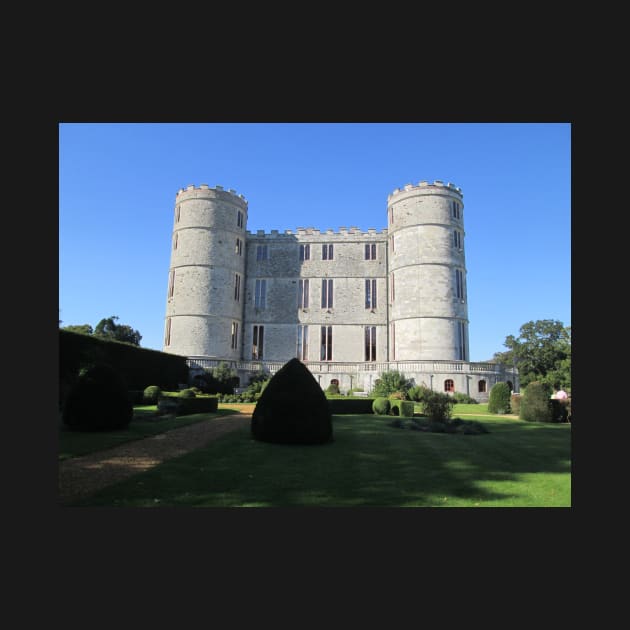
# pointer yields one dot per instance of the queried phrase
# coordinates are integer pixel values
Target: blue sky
(117, 187)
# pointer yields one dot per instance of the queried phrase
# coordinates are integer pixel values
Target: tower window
(370, 251)
(462, 341)
(393, 340)
(455, 210)
(260, 294)
(459, 284)
(171, 283)
(327, 252)
(370, 293)
(302, 343)
(167, 332)
(370, 343)
(239, 247)
(305, 252)
(237, 287)
(239, 218)
(175, 240)
(327, 293)
(177, 214)
(234, 340)
(326, 345)
(457, 239)
(449, 386)
(261, 252)
(258, 337)
(303, 286)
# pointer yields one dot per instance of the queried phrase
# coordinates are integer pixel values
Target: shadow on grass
(368, 464)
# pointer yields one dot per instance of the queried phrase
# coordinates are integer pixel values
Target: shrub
(292, 409)
(151, 395)
(515, 404)
(536, 403)
(333, 389)
(187, 393)
(390, 382)
(98, 402)
(559, 410)
(437, 406)
(463, 399)
(499, 399)
(340, 406)
(381, 406)
(402, 408)
(418, 393)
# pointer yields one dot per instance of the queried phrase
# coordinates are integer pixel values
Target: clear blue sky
(117, 187)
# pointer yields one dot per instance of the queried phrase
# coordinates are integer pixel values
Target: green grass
(517, 464)
(76, 443)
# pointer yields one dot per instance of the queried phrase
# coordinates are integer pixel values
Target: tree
(542, 352)
(107, 328)
(390, 382)
(83, 329)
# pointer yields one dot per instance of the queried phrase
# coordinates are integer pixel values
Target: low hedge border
(340, 406)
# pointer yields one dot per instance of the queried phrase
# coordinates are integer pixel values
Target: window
(239, 247)
(234, 342)
(370, 343)
(459, 284)
(482, 387)
(303, 293)
(175, 240)
(327, 252)
(260, 294)
(370, 293)
(327, 293)
(239, 218)
(391, 215)
(449, 386)
(258, 338)
(302, 343)
(462, 341)
(370, 251)
(391, 243)
(237, 287)
(393, 341)
(167, 333)
(393, 291)
(326, 347)
(261, 252)
(457, 239)
(455, 208)
(177, 214)
(305, 252)
(171, 283)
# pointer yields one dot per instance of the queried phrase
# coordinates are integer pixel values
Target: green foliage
(82, 329)
(381, 406)
(560, 410)
(459, 398)
(390, 382)
(292, 409)
(107, 328)
(219, 380)
(437, 406)
(340, 406)
(536, 403)
(187, 393)
(402, 408)
(499, 399)
(333, 389)
(542, 352)
(418, 392)
(98, 402)
(151, 395)
(515, 404)
(454, 425)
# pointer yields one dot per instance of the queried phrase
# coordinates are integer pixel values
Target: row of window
(455, 212)
(326, 341)
(239, 217)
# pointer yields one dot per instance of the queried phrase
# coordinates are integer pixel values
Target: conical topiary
(292, 409)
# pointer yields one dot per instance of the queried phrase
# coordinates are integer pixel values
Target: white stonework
(226, 285)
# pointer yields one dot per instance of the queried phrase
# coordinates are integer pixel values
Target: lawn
(517, 464)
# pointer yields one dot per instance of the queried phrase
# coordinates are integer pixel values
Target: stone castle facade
(349, 304)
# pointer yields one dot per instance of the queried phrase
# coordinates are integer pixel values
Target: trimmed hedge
(499, 399)
(381, 406)
(404, 407)
(340, 406)
(536, 404)
(187, 406)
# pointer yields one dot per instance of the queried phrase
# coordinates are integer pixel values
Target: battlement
(435, 186)
(344, 232)
(204, 187)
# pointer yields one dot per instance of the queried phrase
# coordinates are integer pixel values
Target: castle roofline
(437, 184)
(204, 187)
(311, 231)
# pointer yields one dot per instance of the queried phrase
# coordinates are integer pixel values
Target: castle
(349, 304)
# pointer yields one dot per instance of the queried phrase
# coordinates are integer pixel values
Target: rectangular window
(237, 287)
(175, 240)
(327, 293)
(239, 218)
(462, 341)
(171, 283)
(455, 206)
(239, 247)
(327, 252)
(326, 346)
(391, 243)
(261, 252)
(260, 294)
(370, 251)
(457, 239)
(393, 288)
(177, 214)
(167, 333)
(393, 341)
(302, 343)
(258, 338)
(391, 215)
(370, 293)
(459, 284)
(370, 343)
(303, 286)
(305, 252)
(234, 341)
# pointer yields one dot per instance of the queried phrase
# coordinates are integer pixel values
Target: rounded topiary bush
(98, 402)
(437, 407)
(499, 399)
(187, 393)
(151, 395)
(381, 406)
(536, 403)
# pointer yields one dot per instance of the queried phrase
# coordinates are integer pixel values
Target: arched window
(334, 381)
(449, 386)
(482, 386)
(509, 384)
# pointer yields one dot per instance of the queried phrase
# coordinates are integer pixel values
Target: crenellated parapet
(204, 191)
(344, 233)
(424, 187)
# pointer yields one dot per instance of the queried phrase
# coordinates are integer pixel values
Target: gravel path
(82, 476)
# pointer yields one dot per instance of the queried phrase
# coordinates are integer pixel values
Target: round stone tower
(206, 283)
(428, 312)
